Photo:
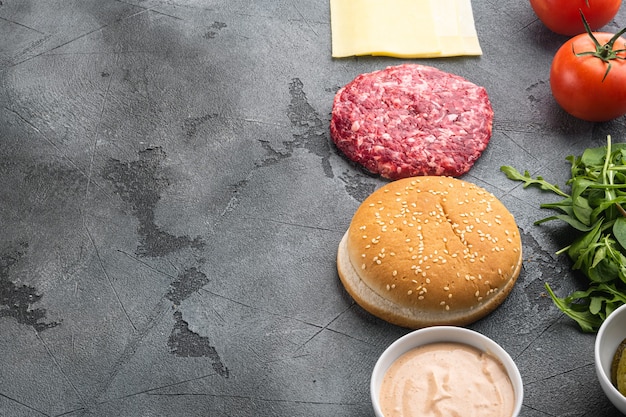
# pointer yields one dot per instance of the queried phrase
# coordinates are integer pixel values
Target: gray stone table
(171, 205)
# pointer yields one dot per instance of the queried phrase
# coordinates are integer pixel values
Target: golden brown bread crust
(430, 250)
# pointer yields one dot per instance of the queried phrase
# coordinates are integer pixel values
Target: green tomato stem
(604, 52)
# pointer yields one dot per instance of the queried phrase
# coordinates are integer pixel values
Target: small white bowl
(609, 336)
(438, 334)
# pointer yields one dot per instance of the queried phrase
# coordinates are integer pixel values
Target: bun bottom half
(408, 317)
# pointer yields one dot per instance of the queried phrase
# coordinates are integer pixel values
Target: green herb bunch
(594, 208)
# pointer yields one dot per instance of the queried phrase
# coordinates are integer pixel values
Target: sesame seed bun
(430, 251)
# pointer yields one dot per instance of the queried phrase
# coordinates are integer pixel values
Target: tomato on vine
(588, 75)
(562, 16)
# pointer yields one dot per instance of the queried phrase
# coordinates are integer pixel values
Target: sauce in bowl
(447, 379)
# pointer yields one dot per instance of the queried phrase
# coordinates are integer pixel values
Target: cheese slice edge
(403, 28)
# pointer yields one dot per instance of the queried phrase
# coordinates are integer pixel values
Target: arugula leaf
(593, 156)
(514, 174)
(571, 221)
(584, 245)
(595, 305)
(619, 231)
(618, 296)
(587, 321)
(582, 209)
(595, 210)
(602, 207)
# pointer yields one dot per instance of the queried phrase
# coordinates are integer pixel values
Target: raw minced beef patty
(412, 120)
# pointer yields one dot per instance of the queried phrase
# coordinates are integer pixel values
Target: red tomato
(563, 16)
(579, 84)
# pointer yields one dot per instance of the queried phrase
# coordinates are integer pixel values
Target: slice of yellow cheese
(372, 27)
(403, 28)
(467, 28)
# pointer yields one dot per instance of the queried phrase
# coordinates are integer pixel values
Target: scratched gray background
(171, 204)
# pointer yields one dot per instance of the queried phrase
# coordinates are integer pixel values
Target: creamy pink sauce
(447, 380)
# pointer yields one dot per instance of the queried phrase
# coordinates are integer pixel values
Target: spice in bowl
(618, 368)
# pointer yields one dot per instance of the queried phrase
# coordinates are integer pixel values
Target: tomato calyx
(604, 52)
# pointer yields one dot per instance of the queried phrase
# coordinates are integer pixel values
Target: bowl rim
(435, 334)
(605, 380)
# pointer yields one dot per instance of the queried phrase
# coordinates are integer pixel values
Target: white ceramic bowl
(609, 336)
(444, 334)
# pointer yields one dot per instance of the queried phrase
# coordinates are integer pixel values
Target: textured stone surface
(171, 205)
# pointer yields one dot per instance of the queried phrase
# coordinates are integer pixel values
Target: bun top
(436, 244)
